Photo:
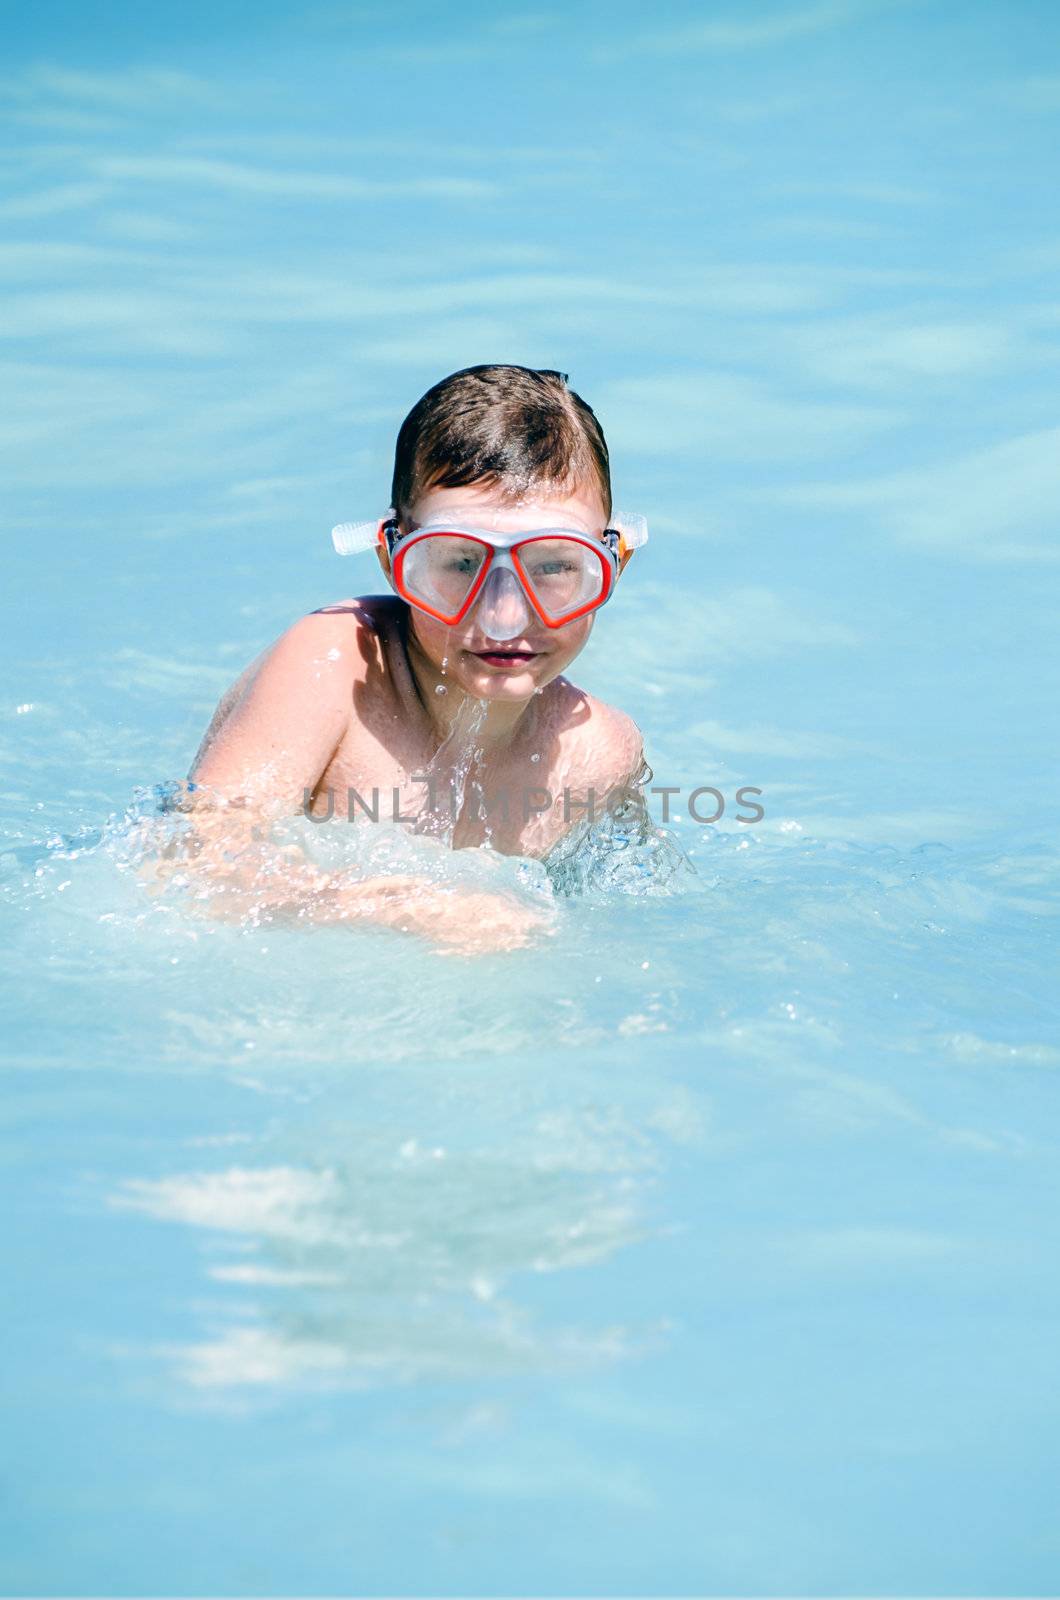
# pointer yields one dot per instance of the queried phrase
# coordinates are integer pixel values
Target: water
(708, 1245)
(714, 1233)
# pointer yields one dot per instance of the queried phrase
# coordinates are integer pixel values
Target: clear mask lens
(562, 575)
(441, 570)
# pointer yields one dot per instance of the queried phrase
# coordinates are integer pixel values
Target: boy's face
(514, 668)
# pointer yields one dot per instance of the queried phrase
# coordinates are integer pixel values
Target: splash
(452, 775)
(621, 851)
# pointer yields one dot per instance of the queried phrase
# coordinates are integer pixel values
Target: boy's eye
(458, 558)
(554, 566)
(552, 569)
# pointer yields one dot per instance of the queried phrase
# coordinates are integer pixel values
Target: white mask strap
(351, 538)
(632, 527)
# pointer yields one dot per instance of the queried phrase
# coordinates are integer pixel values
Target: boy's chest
(458, 793)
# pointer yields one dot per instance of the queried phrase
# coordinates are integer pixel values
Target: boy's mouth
(505, 658)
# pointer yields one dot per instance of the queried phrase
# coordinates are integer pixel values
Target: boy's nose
(501, 610)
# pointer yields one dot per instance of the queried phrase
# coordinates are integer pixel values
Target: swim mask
(447, 566)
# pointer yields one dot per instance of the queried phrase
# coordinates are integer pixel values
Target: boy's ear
(382, 549)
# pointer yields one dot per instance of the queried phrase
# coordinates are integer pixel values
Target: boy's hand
(476, 922)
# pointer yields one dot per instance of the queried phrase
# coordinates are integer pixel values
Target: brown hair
(513, 428)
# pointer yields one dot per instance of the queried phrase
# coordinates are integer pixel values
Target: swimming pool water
(709, 1246)
(705, 1247)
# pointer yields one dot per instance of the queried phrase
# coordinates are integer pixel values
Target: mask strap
(633, 528)
(351, 538)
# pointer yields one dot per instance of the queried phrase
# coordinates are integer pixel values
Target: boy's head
(514, 430)
(509, 448)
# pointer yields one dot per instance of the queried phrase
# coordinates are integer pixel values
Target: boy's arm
(286, 720)
(271, 738)
(228, 862)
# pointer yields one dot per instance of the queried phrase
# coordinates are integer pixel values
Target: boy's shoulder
(323, 653)
(600, 743)
(352, 631)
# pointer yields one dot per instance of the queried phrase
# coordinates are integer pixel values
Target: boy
(451, 691)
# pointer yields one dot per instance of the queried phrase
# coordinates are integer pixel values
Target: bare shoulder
(299, 684)
(601, 743)
(335, 644)
(343, 635)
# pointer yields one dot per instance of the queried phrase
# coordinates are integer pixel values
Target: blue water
(714, 1236)
(708, 1246)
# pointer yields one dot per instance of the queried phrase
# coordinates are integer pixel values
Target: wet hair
(514, 429)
